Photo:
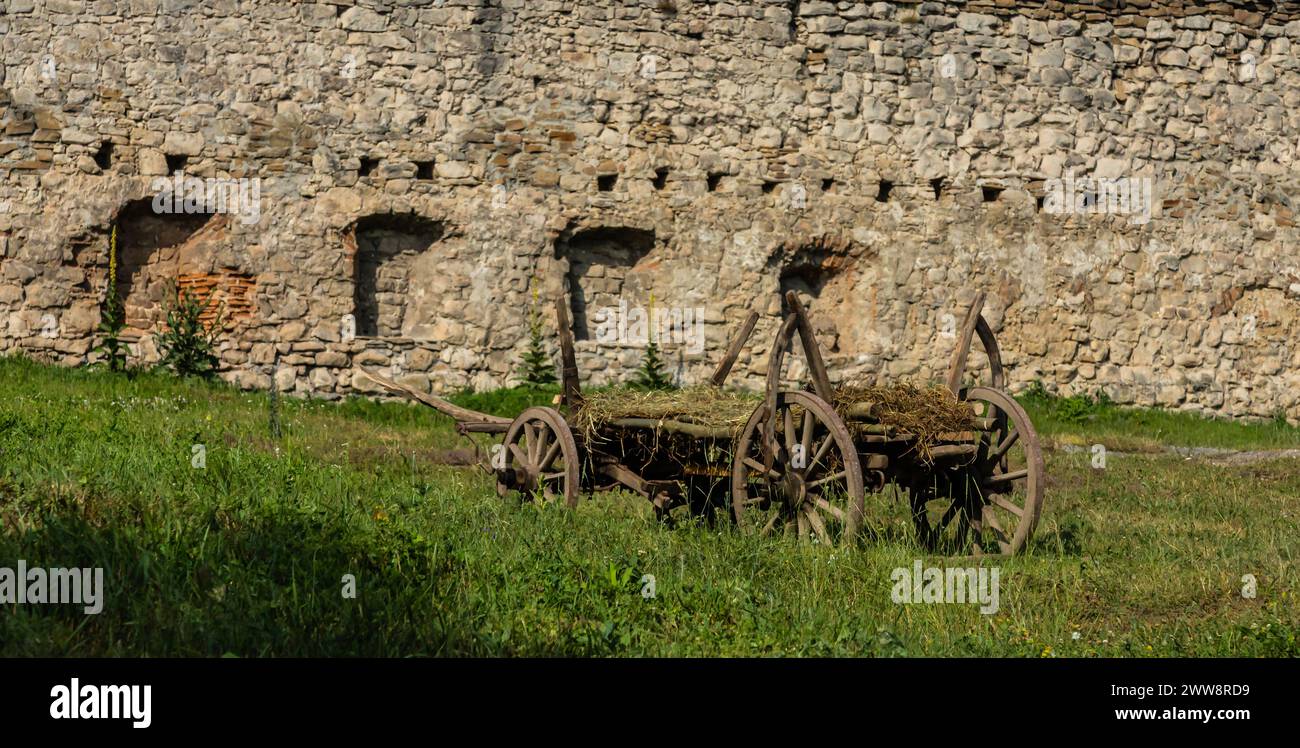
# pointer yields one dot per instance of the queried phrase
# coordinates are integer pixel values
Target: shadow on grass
(265, 586)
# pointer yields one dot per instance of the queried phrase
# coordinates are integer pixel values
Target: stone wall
(426, 168)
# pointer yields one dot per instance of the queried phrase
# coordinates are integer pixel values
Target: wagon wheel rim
(816, 498)
(992, 505)
(540, 458)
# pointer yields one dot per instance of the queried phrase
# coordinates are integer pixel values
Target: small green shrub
(188, 344)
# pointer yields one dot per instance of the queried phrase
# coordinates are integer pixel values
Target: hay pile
(924, 413)
(703, 405)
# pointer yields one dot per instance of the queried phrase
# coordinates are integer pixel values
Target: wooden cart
(974, 492)
(798, 466)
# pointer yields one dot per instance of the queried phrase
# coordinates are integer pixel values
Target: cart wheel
(991, 505)
(539, 457)
(814, 487)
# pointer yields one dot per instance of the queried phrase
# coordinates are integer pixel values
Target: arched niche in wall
(819, 271)
(600, 261)
(157, 251)
(394, 269)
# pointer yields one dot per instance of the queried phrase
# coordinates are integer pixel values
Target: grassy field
(246, 555)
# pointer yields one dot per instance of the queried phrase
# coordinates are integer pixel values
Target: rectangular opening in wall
(769, 185)
(104, 156)
(424, 170)
(176, 162)
(828, 185)
(714, 179)
(937, 186)
(606, 182)
(990, 193)
(882, 192)
(661, 178)
(367, 166)
(394, 260)
(601, 261)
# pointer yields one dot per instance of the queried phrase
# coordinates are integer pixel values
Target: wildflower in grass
(112, 318)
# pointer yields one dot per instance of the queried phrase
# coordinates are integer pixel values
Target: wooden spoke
(543, 437)
(1006, 477)
(1001, 501)
(947, 516)
(996, 455)
(757, 467)
(823, 481)
(789, 430)
(818, 526)
(991, 519)
(822, 449)
(519, 455)
(829, 508)
(549, 458)
(530, 442)
(805, 440)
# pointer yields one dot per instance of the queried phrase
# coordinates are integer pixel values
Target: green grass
(1083, 419)
(247, 555)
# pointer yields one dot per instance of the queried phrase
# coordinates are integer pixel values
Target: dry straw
(925, 413)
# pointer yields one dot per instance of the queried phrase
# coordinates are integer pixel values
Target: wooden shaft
(733, 350)
(571, 391)
(811, 351)
(461, 415)
(958, 364)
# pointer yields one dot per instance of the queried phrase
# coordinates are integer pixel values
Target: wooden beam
(680, 427)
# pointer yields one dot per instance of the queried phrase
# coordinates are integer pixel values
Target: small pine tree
(112, 318)
(537, 369)
(651, 375)
(187, 344)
